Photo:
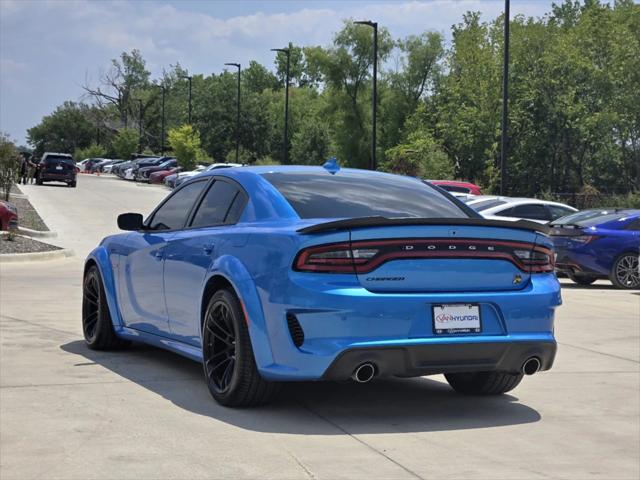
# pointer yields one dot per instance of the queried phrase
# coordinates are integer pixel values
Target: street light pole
(505, 104)
(287, 52)
(373, 163)
(139, 125)
(237, 65)
(189, 77)
(164, 91)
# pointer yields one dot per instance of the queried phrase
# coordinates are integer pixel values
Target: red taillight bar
(366, 256)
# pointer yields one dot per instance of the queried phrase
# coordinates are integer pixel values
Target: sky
(50, 48)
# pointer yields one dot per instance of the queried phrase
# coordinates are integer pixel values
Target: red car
(458, 187)
(8, 216)
(158, 177)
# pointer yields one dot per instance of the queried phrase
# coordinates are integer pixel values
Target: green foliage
(9, 164)
(419, 156)
(311, 143)
(185, 143)
(92, 151)
(125, 143)
(65, 130)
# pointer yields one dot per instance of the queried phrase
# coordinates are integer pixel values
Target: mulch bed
(20, 244)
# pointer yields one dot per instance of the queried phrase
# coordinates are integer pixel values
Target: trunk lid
(443, 258)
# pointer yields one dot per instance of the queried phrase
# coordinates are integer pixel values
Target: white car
(507, 208)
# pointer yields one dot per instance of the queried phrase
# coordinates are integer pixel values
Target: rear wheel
(229, 365)
(73, 184)
(625, 272)
(96, 319)
(582, 279)
(483, 383)
(38, 181)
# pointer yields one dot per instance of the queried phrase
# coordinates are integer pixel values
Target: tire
(229, 365)
(625, 272)
(73, 184)
(96, 319)
(38, 181)
(483, 383)
(582, 279)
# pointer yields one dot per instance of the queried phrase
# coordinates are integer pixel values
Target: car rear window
(355, 195)
(591, 218)
(58, 159)
(486, 204)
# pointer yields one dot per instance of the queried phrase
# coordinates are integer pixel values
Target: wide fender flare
(100, 256)
(234, 271)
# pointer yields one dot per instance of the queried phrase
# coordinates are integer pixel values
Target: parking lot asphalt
(69, 412)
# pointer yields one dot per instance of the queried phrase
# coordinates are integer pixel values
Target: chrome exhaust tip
(364, 373)
(531, 365)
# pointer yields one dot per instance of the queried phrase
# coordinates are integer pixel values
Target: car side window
(634, 226)
(219, 205)
(533, 211)
(173, 213)
(557, 211)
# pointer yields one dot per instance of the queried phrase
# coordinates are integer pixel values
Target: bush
(9, 164)
(92, 151)
(185, 143)
(125, 143)
(419, 157)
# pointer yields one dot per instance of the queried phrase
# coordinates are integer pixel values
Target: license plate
(456, 318)
(59, 167)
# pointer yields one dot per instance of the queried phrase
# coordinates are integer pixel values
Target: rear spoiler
(383, 221)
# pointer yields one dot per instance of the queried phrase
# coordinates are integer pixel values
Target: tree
(125, 143)
(310, 145)
(185, 143)
(92, 151)
(65, 130)
(9, 164)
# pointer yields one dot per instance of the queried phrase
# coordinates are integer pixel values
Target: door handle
(208, 248)
(158, 254)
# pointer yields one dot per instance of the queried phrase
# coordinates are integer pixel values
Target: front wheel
(625, 272)
(229, 365)
(483, 383)
(96, 319)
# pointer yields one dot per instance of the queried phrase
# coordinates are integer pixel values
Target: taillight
(366, 256)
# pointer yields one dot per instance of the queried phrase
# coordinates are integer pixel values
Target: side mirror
(130, 221)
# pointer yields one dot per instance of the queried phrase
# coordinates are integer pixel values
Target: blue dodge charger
(273, 274)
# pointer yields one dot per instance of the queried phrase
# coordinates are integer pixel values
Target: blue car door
(143, 304)
(191, 253)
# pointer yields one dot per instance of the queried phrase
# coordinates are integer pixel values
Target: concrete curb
(35, 256)
(27, 232)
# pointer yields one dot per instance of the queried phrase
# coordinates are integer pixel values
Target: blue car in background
(600, 243)
(272, 274)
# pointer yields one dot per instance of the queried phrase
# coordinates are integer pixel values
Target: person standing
(24, 169)
(34, 168)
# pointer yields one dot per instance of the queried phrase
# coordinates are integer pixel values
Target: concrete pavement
(68, 412)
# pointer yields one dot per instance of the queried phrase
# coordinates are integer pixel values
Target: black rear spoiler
(383, 221)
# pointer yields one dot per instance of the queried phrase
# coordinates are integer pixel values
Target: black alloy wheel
(96, 319)
(229, 364)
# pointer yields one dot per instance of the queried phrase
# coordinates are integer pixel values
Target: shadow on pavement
(315, 408)
(596, 286)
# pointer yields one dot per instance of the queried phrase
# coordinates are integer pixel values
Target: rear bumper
(58, 177)
(418, 360)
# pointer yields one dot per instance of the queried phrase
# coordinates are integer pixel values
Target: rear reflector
(366, 256)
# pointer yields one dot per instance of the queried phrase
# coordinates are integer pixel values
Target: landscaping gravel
(27, 215)
(20, 244)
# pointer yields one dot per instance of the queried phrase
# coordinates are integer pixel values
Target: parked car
(505, 208)
(279, 273)
(158, 177)
(142, 174)
(183, 177)
(108, 168)
(456, 186)
(148, 162)
(8, 216)
(599, 243)
(87, 164)
(56, 167)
